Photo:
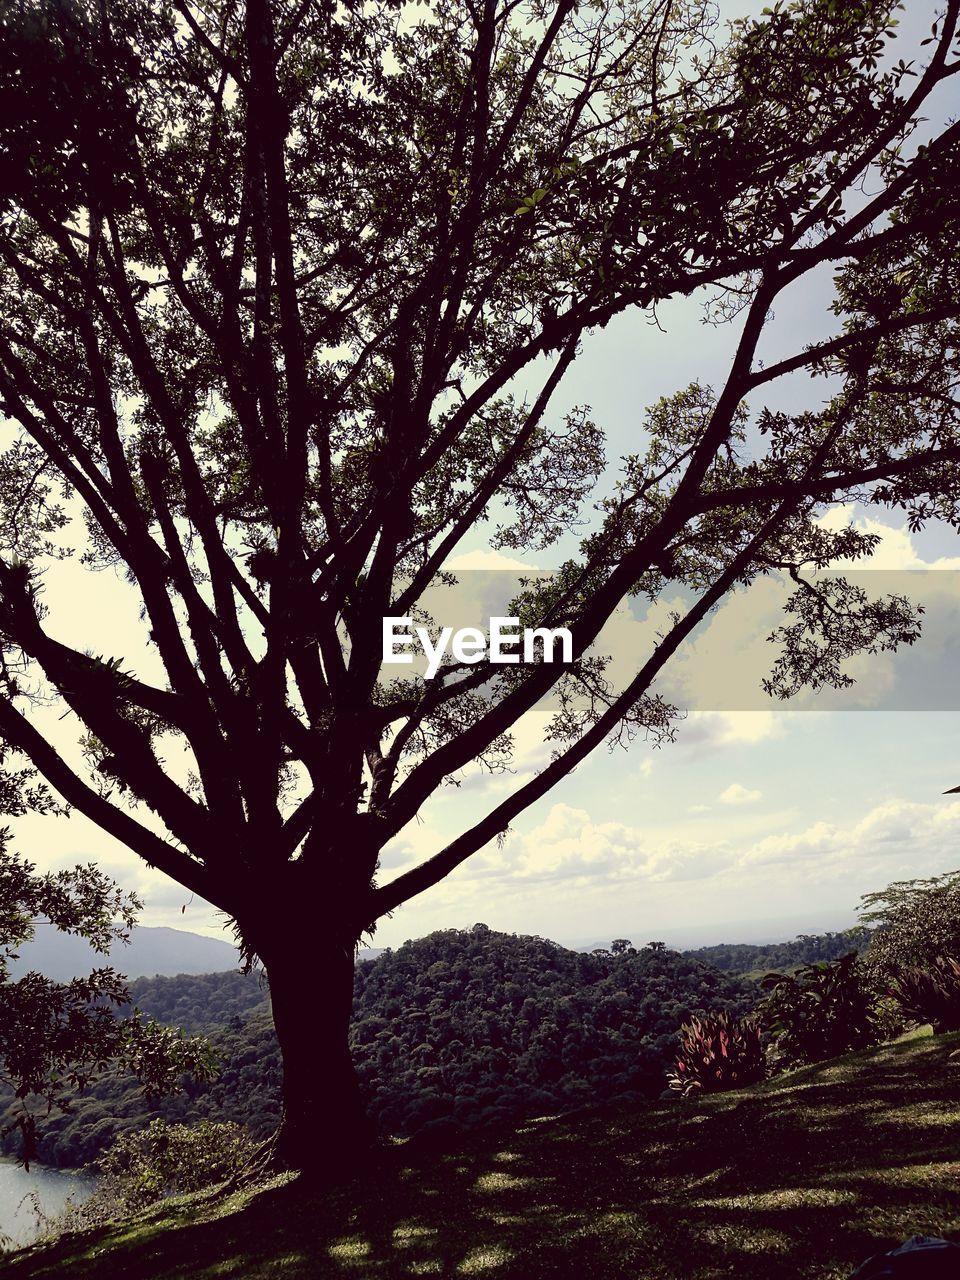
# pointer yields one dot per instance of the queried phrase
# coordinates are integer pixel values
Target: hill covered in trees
(200, 1002)
(807, 948)
(471, 1026)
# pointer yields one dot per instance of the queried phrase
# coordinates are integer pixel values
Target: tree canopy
(270, 269)
(55, 1038)
(915, 922)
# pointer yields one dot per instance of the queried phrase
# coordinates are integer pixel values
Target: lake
(52, 1187)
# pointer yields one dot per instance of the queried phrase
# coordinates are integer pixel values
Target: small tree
(57, 1037)
(916, 923)
(270, 269)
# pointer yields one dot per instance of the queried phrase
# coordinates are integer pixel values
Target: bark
(324, 1130)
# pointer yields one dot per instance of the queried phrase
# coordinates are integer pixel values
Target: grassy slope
(801, 1177)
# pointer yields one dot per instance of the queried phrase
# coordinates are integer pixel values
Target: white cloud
(487, 560)
(895, 552)
(570, 844)
(716, 729)
(736, 793)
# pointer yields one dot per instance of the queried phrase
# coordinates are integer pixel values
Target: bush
(818, 1012)
(930, 994)
(718, 1052)
(147, 1165)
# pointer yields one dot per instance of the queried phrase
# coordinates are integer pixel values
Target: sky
(760, 821)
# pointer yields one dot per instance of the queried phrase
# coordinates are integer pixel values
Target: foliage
(199, 1002)
(820, 1011)
(164, 1160)
(159, 1161)
(469, 1025)
(930, 994)
(482, 1027)
(55, 1038)
(718, 1052)
(916, 922)
(746, 957)
(783, 1182)
(270, 271)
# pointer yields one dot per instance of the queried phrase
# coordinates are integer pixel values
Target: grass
(804, 1176)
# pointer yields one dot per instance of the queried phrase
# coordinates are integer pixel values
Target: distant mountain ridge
(151, 951)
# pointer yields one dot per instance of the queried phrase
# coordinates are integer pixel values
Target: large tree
(270, 271)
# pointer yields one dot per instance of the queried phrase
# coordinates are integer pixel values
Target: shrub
(147, 1165)
(718, 1052)
(930, 994)
(818, 1012)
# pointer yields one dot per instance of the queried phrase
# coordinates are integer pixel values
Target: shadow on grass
(802, 1177)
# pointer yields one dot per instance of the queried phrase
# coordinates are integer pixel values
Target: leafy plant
(930, 994)
(819, 1012)
(718, 1052)
(57, 1037)
(916, 922)
(147, 1165)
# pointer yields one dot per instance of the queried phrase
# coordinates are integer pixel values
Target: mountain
(151, 951)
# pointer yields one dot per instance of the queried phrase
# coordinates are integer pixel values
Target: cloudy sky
(758, 822)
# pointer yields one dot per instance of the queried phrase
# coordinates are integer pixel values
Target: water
(52, 1186)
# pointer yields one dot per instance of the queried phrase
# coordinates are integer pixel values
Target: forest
(466, 1027)
(807, 948)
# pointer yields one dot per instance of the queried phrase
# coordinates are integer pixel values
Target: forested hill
(743, 957)
(483, 1026)
(199, 1002)
(470, 1025)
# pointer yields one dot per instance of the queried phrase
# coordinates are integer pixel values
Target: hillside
(760, 958)
(797, 1179)
(471, 1025)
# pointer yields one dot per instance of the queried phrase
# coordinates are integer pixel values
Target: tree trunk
(324, 1130)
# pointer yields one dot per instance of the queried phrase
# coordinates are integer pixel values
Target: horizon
(730, 933)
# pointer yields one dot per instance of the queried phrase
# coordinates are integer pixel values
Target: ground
(803, 1176)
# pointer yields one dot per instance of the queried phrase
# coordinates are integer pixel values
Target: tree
(270, 269)
(916, 923)
(57, 1037)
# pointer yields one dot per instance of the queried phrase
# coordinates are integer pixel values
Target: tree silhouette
(269, 270)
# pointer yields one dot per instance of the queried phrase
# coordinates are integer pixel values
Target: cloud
(572, 875)
(738, 794)
(896, 551)
(487, 560)
(720, 729)
(721, 666)
(570, 845)
(895, 838)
